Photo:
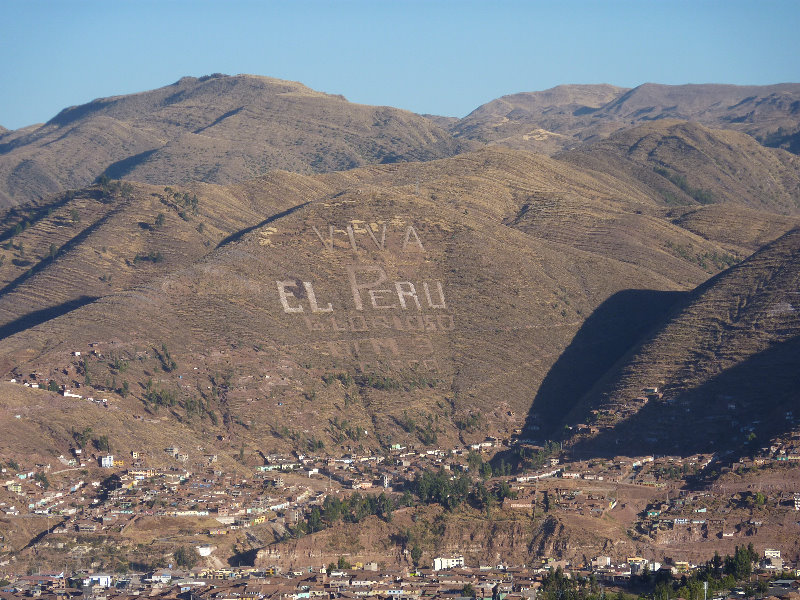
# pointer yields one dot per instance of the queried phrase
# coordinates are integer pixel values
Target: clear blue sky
(430, 57)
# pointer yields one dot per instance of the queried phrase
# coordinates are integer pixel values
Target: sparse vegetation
(154, 256)
(699, 195)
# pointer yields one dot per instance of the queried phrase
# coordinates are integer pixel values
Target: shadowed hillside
(602, 340)
(727, 357)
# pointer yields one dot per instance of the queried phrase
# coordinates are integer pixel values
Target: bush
(185, 557)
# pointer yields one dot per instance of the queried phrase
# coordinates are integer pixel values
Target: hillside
(468, 297)
(564, 116)
(215, 129)
(727, 356)
(688, 164)
(268, 277)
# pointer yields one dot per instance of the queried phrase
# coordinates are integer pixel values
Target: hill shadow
(40, 316)
(46, 262)
(239, 234)
(608, 333)
(731, 415)
(121, 168)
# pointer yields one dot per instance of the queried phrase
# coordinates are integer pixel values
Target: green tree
(160, 220)
(468, 591)
(661, 592)
(385, 507)
(41, 477)
(315, 520)
(416, 555)
(185, 557)
(102, 444)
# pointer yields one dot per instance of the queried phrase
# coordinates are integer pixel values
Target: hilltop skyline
(442, 58)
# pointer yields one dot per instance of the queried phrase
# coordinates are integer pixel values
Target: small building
(107, 461)
(440, 563)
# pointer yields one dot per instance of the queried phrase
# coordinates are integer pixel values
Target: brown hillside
(688, 164)
(513, 296)
(727, 357)
(216, 129)
(564, 116)
(536, 121)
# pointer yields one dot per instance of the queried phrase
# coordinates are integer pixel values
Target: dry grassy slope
(732, 166)
(535, 121)
(526, 249)
(728, 357)
(216, 129)
(505, 292)
(737, 229)
(560, 118)
(515, 300)
(95, 255)
(506, 537)
(594, 210)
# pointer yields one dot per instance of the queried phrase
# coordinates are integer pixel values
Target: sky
(437, 57)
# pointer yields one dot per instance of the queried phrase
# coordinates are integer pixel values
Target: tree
(416, 555)
(41, 477)
(185, 557)
(102, 444)
(661, 592)
(342, 563)
(385, 507)
(315, 520)
(160, 219)
(468, 591)
(716, 564)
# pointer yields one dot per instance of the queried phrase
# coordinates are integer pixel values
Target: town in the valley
(92, 519)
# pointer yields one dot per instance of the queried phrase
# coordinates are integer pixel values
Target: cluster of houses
(448, 577)
(703, 515)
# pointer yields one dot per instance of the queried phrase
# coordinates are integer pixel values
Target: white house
(101, 580)
(107, 461)
(440, 563)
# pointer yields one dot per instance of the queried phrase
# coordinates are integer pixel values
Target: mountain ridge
(218, 129)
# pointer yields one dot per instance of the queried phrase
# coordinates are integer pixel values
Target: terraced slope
(726, 363)
(437, 292)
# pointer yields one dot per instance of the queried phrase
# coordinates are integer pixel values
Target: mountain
(479, 291)
(726, 356)
(215, 129)
(564, 116)
(683, 161)
(435, 297)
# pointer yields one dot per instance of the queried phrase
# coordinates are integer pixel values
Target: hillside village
(90, 496)
(174, 429)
